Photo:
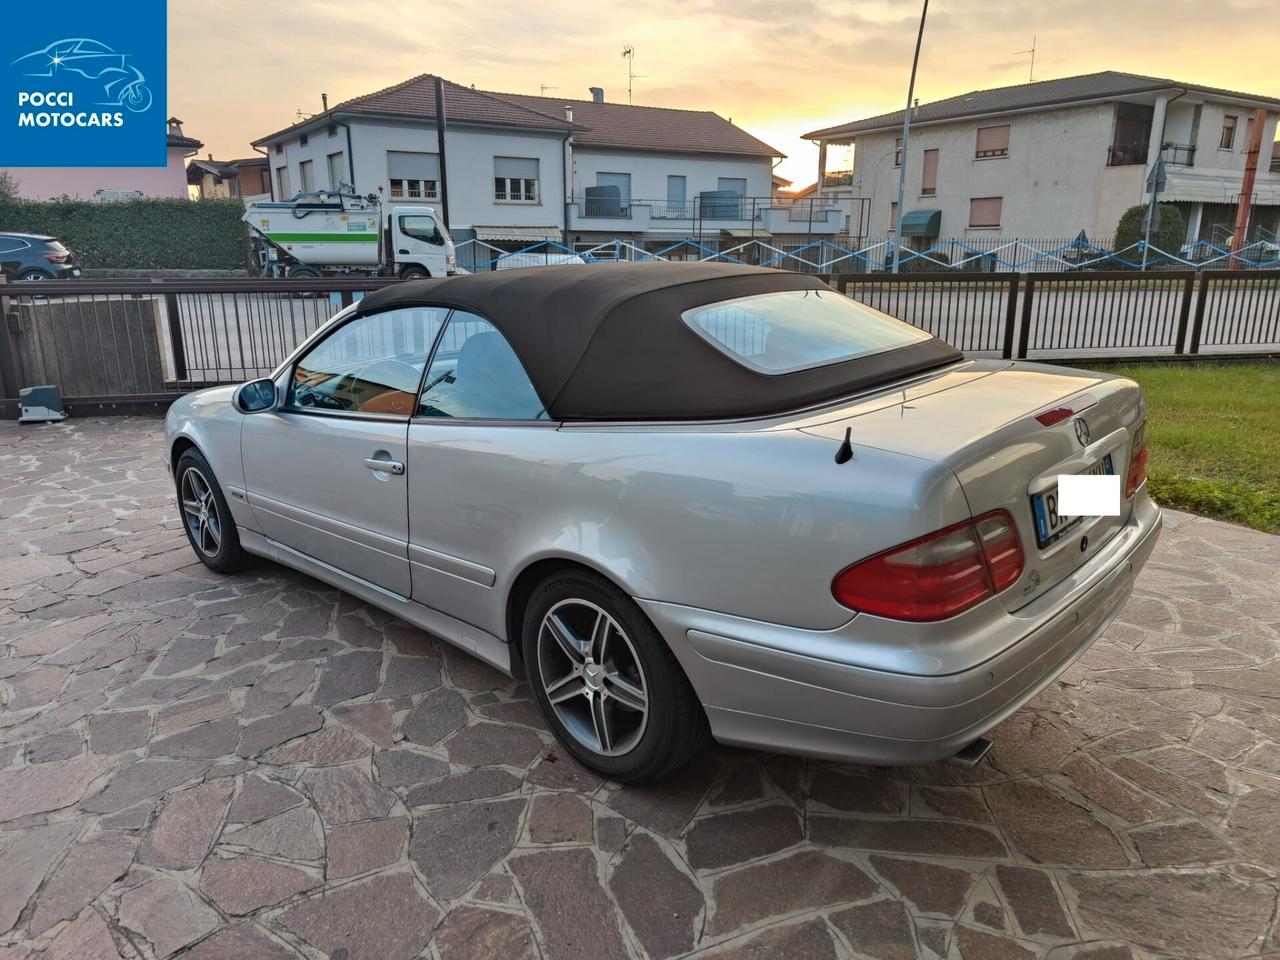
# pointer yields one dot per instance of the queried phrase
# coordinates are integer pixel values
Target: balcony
(1178, 154)
(708, 213)
(1127, 154)
(838, 178)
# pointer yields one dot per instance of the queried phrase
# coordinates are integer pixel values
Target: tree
(8, 186)
(1168, 237)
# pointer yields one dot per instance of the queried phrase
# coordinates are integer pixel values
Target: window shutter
(985, 211)
(993, 139)
(412, 166)
(929, 181)
(523, 168)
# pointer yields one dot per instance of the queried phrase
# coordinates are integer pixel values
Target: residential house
(523, 168)
(1052, 158)
(113, 183)
(249, 178)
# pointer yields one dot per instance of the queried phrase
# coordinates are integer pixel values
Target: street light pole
(906, 135)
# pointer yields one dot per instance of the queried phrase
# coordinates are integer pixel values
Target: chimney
(597, 94)
(211, 156)
(568, 113)
(324, 102)
(175, 126)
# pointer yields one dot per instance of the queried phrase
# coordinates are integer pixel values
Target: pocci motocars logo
(1082, 431)
(95, 98)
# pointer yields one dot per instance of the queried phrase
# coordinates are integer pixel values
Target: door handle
(402, 251)
(385, 466)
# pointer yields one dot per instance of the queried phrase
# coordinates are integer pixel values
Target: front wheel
(606, 682)
(414, 273)
(206, 518)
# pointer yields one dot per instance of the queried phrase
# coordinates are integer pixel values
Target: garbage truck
(340, 233)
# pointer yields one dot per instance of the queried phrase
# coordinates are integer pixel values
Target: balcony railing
(1126, 154)
(716, 211)
(1178, 154)
(838, 178)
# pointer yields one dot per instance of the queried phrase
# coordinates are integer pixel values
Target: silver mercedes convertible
(687, 500)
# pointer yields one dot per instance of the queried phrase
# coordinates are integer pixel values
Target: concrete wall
(1050, 181)
(46, 183)
(470, 156)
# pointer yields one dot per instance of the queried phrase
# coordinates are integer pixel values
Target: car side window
(370, 365)
(12, 244)
(421, 227)
(475, 375)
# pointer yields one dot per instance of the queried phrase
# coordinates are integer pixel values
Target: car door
(325, 473)
(474, 455)
(420, 240)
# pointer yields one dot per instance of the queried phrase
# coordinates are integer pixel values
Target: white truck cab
(343, 234)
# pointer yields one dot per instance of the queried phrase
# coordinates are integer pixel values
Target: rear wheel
(206, 518)
(35, 273)
(303, 272)
(606, 682)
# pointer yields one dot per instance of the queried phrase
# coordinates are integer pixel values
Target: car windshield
(777, 333)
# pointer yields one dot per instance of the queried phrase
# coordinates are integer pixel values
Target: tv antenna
(1032, 51)
(629, 54)
(544, 87)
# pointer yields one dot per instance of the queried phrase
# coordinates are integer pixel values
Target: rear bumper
(763, 686)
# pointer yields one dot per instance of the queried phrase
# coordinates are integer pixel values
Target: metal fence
(130, 346)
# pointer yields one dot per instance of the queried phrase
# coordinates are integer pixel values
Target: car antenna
(845, 453)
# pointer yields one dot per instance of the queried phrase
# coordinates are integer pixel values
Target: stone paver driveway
(263, 768)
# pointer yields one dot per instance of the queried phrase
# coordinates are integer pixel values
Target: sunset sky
(239, 69)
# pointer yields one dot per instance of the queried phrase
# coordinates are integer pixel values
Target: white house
(523, 168)
(1049, 159)
(113, 183)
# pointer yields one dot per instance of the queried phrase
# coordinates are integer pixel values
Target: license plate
(1050, 525)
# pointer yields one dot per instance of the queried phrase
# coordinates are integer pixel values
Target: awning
(922, 223)
(518, 234)
(737, 233)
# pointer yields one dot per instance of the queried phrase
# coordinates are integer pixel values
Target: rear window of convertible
(776, 333)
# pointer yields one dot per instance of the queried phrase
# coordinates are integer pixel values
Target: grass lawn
(1214, 434)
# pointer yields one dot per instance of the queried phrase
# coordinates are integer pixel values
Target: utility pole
(906, 135)
(1252, 151)
(444, 173)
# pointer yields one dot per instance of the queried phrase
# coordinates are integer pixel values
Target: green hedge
(154, 234)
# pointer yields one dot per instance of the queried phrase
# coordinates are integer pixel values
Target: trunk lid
(984, 428)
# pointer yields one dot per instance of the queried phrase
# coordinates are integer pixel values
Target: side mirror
(256, 396)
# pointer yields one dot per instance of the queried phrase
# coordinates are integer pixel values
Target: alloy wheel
(592, 677)
(200, 512)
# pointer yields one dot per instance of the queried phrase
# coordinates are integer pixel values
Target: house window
(677, 196)
(984, 212)
(306, 175)
(620, 180)
(302, 140)
(282, 184)
(337, 169)
(929, 179)
(280, 147)
(515, 179)
(413, 176)
(893, 216)
(736, 185)
(1228, 139)
(897, 152)
(992, 142)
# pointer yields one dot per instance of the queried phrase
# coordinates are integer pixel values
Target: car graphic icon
(123, 85)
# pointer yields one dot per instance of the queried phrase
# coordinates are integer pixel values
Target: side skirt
(473, 640)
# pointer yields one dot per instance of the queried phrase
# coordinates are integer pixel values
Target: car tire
(206, 517)
(303, 273)
(35, 274)
(636, 691)
(414, 273)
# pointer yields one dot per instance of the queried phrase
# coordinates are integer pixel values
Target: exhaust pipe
(970, 756)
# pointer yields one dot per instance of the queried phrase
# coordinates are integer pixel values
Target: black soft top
(607, 341)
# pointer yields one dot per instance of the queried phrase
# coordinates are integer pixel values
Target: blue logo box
(85, 88)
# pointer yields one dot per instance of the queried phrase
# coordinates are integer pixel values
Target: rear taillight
(936, 576)
(56, 257)
(1137, 461)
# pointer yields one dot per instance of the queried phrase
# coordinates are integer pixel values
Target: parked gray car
(687, 500)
